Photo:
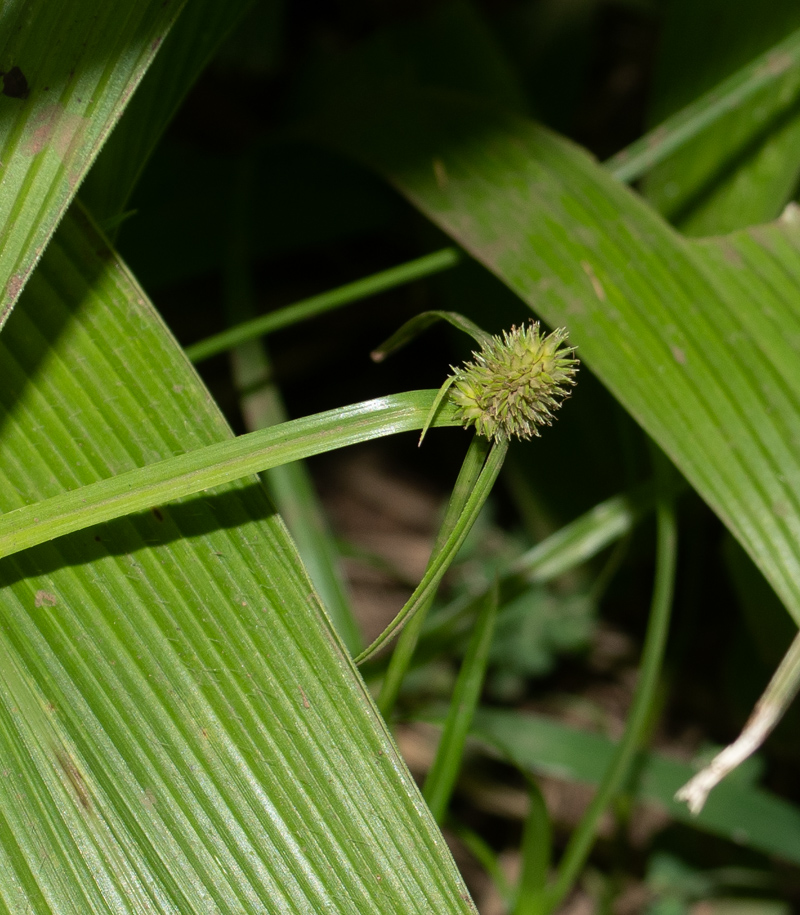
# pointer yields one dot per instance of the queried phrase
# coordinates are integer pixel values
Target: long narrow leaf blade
(739, 812)
(222, 462)
(443, 773)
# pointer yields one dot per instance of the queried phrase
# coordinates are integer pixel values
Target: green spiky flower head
(515, 382)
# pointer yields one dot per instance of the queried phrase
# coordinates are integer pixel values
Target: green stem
(223, 462)
(441, 562)
(326, 301)
(618, 772)
(483, 853)
(564, 550)
(407, 643)
(656, 145)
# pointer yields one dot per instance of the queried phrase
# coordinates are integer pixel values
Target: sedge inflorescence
(515, 382)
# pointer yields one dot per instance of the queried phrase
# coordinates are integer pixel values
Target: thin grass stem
(485, 856)
(407, 643)
(676, 131)
(441, 561)
(261, 405)
(537, 843)
(327, 301)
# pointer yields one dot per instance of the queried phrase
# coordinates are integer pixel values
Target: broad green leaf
(70, 67)
(698, 340)
(736, 810)
(743, 169)
(180, 728)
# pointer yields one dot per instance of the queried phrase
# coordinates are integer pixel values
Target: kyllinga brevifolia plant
(183, 727)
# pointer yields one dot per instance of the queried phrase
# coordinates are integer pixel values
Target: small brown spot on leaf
(779, 62)
(14, 84)
(53, 127)
(45, 599)
(656, 137)
(306, 703)
(157, 514)
(596, 284)
(440, 174)
(76, 780)
(14, 285)
(679, 355)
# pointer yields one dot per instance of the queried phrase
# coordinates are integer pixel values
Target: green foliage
(182, 728)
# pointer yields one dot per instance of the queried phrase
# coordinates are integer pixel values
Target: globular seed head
(513, 385)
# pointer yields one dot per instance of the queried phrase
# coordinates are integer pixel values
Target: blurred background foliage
(235, 168)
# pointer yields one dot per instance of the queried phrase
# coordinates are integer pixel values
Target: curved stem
(441, 562)
(407, 643)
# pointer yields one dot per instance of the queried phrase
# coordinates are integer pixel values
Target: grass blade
(736, 811)
(638, 720)
(537, 840)
(776, 698)
(675, 132)
(214, 465)
(201, 28)
(567, 548)
(261, 405)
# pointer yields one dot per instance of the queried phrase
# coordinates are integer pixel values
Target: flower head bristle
(515, 382)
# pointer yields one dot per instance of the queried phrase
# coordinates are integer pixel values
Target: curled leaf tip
(515, 382)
